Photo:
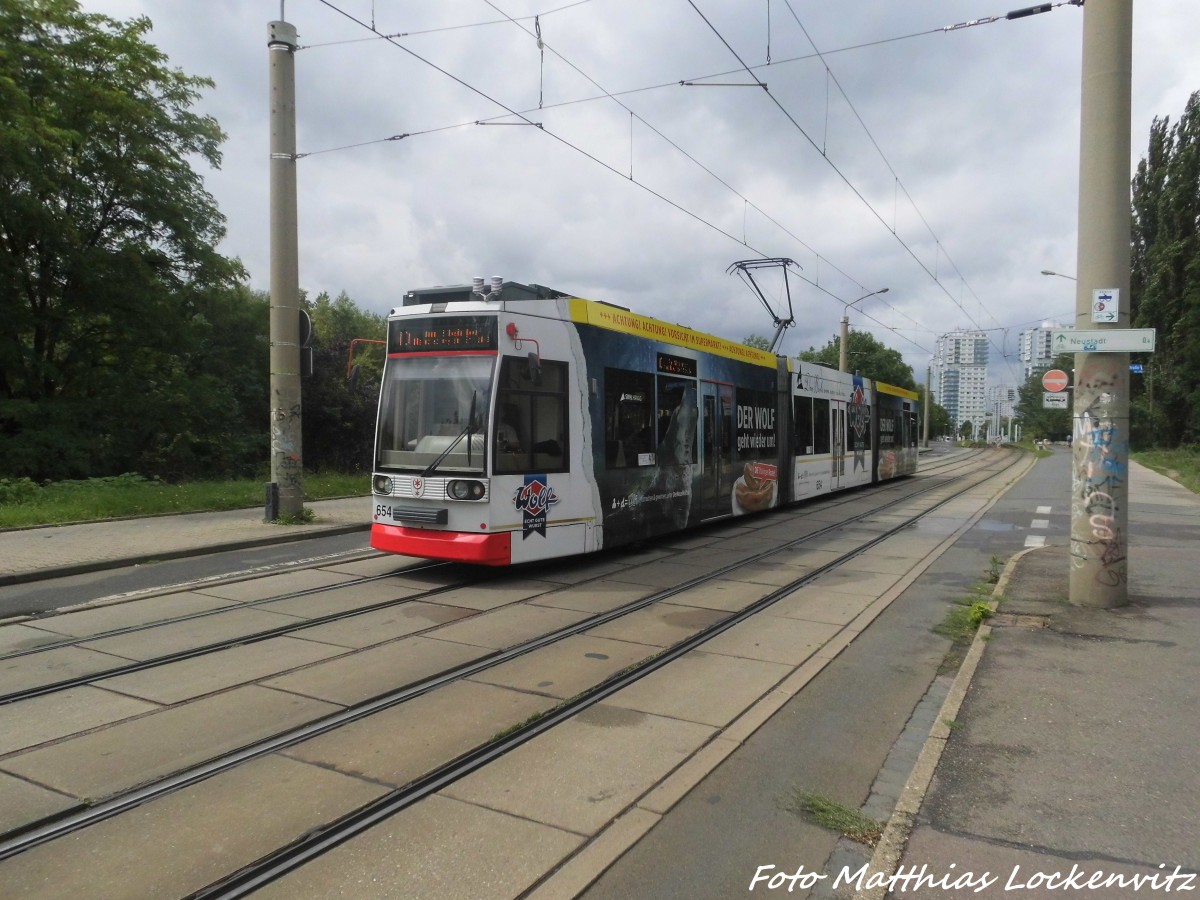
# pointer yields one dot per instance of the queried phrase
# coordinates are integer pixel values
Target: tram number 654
(382, 511)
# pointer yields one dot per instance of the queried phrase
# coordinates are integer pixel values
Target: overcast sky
(943, 165)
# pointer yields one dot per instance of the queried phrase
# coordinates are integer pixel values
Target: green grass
(964, 620)
(1182, 465)
(834, 816)
(24, 502)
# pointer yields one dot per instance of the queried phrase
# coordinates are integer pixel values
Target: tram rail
(44, 832)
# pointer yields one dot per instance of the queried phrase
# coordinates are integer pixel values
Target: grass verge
(24, 503)
(1182, 465)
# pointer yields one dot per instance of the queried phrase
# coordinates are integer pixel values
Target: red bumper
(457, 546)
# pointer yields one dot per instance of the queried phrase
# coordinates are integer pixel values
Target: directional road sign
(1055, 401)
(1106, 304)
(1108, 340)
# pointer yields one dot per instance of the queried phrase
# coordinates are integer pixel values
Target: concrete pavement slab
(131, 613)
(376, 670)
(495, 593)
(579, 776)
(508, 626)
(399, 744)
(340, 599)
(101, 763)
(246, 663)
(382, 625)
(707, 688)
(850, 579)
(439, 849)
(666, 574)
(730, 596)
(28, 723)
(16, 636)
(182, 842)
(659, 625)
(815, 604)
(594, 597)
(564, 669)
(378, 564)
(22, 802)
(773, 639)
(161, 640)
(275, 585)
(50, 666)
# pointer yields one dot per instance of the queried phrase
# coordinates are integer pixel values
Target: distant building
(961, 376)
(1035, 350)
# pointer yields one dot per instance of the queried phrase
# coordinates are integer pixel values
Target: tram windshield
(425, 411)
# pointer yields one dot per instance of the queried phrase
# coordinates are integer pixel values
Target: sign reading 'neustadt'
(1108, 340)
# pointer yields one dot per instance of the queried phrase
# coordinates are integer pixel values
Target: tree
(1037, 422)
(1165, 281)
(868, 356)
(757, 341)
(338, 414)
(108, 265)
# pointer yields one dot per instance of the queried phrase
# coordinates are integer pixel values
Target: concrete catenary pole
(928, 403)
(287, 465)
(1100, 449)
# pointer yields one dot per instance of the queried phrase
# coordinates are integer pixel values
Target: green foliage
(1038, 423)
(868, 356)
(338, 414)
(834, 816)
(107, 266)
(1165, 282)
(24, 502)
(757, 341)
(1181, 464)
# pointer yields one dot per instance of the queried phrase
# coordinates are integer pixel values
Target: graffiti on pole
(1099, 479)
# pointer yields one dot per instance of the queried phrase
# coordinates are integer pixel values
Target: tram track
(311, 622)
(49, 831)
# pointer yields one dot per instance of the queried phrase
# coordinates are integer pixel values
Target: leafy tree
(338, 415)
(1038, 423)
(939, 419)
(868, 356)
(107, 237)
(1165, 281)
(757, 341)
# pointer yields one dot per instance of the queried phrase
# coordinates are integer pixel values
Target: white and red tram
(518, 423)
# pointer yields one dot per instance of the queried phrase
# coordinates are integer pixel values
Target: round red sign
(1055, 380)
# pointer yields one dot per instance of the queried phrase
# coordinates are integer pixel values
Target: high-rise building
(961, 376)
(1035, 350)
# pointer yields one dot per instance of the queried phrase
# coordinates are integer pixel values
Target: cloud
(947, 171)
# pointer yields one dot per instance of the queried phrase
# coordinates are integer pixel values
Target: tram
(518, 423)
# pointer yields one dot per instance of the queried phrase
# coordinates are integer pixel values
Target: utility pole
(1100, 449)
(285, 493)
(928, 402)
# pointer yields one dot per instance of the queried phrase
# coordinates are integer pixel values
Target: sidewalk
(1069, 769)
(31, 554)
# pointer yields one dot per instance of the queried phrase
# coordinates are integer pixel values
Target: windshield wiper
(465, 433)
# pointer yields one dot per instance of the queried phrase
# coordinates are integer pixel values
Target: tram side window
(822, 426)
(531, 417)
(628, 419)
(804, 426)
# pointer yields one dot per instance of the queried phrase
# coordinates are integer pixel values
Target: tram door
(716, 449)
(837, 410)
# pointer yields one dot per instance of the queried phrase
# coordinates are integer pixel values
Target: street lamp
(843, 356)
(1059, 274)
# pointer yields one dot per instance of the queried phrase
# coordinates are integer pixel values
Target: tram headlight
(465, 490)
(382, 484)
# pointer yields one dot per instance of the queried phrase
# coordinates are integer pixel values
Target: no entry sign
(1055, 380)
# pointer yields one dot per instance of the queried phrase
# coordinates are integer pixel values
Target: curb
(890, 848)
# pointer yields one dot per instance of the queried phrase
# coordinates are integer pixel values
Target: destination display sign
(441, 334)
(1108, 340)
